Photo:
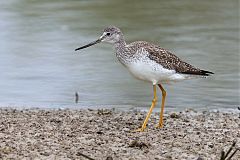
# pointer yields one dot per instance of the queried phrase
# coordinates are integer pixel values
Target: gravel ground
(107, 134)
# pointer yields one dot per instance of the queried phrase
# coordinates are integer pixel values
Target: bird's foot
(159, 126)
(139, 129)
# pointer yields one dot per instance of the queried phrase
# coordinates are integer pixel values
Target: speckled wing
(172, 62)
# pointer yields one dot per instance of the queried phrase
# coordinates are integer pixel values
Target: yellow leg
(154, 101)
(164, 93)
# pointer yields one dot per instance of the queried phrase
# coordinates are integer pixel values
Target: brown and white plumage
(169, 60)
(150, 63)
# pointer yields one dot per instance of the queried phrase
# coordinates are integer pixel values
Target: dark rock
(174, 115)
(138, 144)
(109, 158)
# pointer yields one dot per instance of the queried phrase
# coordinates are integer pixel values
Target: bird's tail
(205, 73)
(198, 72)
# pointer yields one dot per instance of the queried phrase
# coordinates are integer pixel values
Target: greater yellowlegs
(150, 63)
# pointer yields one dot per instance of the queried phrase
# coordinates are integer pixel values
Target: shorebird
(149, 62)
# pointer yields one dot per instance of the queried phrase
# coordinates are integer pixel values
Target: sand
(107, 134)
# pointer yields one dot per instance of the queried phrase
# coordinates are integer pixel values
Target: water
(39, 66)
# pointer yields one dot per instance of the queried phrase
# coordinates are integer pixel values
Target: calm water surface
(39, 66)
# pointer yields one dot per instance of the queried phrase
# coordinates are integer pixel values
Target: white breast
(146, 69)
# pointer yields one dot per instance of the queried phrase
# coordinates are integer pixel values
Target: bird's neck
(122, 51)
(120, 46)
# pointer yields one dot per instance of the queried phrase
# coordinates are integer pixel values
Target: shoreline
(124, 108)
(107, 133)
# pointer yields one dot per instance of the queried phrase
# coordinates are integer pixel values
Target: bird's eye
(108, 34)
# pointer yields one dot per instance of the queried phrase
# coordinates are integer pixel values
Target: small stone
(99, 132)
(45, 153)
(174, 115)
(199, 158)
(109, 158)
(211, 145)
(104, 112)
(138, 144)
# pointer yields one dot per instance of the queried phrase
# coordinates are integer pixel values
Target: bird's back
(165, 58)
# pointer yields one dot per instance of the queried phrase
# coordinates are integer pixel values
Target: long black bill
(88, 45)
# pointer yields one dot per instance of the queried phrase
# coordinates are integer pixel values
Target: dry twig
(225, 156)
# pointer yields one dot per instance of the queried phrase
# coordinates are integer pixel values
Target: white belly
(151, 71)
(146, 69)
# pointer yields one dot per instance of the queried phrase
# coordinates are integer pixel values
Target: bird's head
(110, 34)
